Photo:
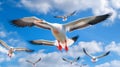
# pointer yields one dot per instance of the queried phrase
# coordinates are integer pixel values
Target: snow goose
(66, 16)
(59, 30)
(33, 63)
(11, 49)
(95, 58)
(71, 61)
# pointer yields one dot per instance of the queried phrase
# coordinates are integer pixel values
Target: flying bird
(59, 30)
(71, 61)
(33, 63)
(95, 58)
(66, 16)
(11, 50)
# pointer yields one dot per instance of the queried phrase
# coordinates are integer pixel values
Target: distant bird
(33, 63)
(11, 49)
(71, 61)
(66, 16)
(59, 30)
(95, 58)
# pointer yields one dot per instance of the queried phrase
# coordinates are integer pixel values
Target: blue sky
(97, 39)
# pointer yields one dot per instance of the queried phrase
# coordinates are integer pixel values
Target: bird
(33, 63)
(59, 30)
(71, 61)
(52, 43)
(11, 50)
(64, 17)
(95, 58)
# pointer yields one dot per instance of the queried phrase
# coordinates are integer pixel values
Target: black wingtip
(30, 50)
(78, 58)
(108, 53)
(32, 42)
(84, 50)
(100, 18)
(75, 38)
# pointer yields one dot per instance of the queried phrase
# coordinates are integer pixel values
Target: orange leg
(66, 48)
(59, 46)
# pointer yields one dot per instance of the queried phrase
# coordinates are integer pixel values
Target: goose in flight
(11, 50)
(95, 58)
(66, 16)
(33, 63)
(71, 61)
(59, 30)
(53, 43)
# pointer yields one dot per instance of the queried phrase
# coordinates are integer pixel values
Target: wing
(86, 52)
(38, 60)
(76, 59)
(81, 23)
(29, 61)
(105, 54)
(71, 13)
(23, 49)
(58, 16)
(4, 44)
(29, 21)
(66, 60)
(43, 42)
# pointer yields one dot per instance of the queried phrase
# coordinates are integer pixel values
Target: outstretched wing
(71, 13)
(23, 49)
(38, 60)
(66, 60)
(86, 52)
(58, 16)
(105, 54)
(43, 42)
(29, 21)
(4, 44)
(76, 59)
(29, 61)
(81, 23)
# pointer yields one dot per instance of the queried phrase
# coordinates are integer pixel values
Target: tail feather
(72, 40)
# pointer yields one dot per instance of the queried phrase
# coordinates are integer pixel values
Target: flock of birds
(59, 32)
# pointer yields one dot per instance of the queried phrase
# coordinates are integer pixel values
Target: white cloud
(97, 7)
(114, 63)
(2, 34)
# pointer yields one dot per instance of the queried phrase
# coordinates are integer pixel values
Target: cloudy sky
(96, 39)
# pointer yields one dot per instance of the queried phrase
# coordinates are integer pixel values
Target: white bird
(59, 30)
(66, 16)
(71, 61)
(33, 63)
(95, 58)
(11, 49)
